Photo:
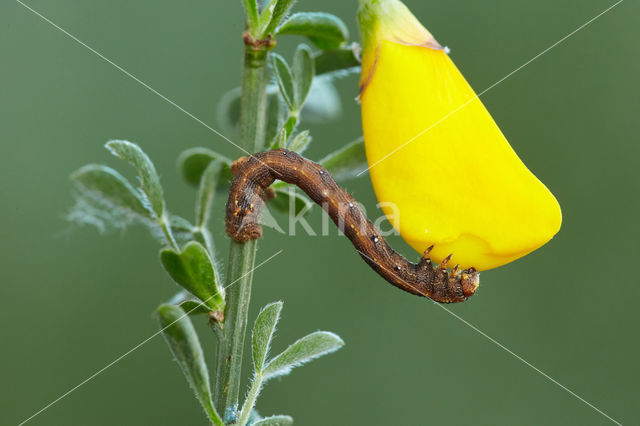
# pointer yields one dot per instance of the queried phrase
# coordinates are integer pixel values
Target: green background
(73, 301)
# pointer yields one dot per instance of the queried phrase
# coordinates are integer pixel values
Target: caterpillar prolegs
(250, 190)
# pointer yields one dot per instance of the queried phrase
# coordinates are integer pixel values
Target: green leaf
(279, 11)
(346, 162)
(285, 80)
(288, 201)
(300, 143)
(274, 421)
(331, 61)
(181, 229)
(324, 30)
(276, 115)
(149, 180)
(263, 330)
(194, 307)
(251, 9)
(111, 188)
(303, 73)
(194, 161)
(183, 341)
(311, 346)
(193, 269)
(323, 103)
(206, 192)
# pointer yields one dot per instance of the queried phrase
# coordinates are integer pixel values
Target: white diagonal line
(518, 357)
(492, 86)
(133, 77)
(94, 375)
(524, 361)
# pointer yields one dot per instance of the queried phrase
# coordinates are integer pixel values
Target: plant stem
(254, 391)
(241, 255)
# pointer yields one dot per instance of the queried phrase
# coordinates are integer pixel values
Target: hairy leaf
(303, 73)
(110, 187)
(149, 180)
(285, 81)
(263, 330)
(300, 142)
(311, 346)
(274, 421)
(183, 341)
(280, 10)
(193, 269)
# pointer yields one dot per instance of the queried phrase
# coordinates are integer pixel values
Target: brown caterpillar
(250, 189)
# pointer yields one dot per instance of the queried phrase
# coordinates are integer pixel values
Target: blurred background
(73, 300)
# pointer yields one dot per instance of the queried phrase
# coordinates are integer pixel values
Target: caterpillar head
(470, 280)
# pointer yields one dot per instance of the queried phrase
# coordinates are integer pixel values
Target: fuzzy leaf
(263, 330)
(274, 421)
(331, 61)
(110, 187)
(149, 180)
(206, 192)
(311, 346)
(193, 269)
(285, 80)
(300, 143)
(346, 162)
(183, 341)
(194, 161)
(303, 73)
(194, 307)
(324, 30)
(280, 8)
(288, 201)
(276, 115)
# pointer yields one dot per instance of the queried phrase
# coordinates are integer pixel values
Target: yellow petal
(457, 183)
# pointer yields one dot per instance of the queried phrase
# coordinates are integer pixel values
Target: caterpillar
(250, 190)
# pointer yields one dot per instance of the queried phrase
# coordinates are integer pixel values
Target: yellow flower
(436, 156)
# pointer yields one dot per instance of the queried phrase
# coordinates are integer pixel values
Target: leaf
(263, 330)
(300, 143)
(285, 80)
(324, 30)
(194, 161)
(323, 103)
(193, 269)
(251, 9)
(303, 73)
(274, 421)
(183, 341)
(346, 162)
(275, 115)
(288, 201)
(206, 192)
(279, 11)
(331, 61)
(149, 179)
(181, 229)
(110, 187)
(311, 346)
(194, 307)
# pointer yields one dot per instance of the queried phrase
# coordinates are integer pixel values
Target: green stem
(241, 255)
(254, 391)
